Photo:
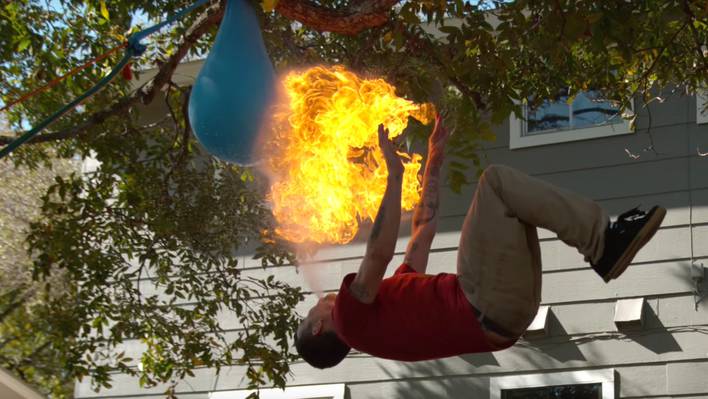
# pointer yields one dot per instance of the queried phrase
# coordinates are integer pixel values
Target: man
(495, 294)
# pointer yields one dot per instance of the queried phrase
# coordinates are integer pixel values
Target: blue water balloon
(234, 89)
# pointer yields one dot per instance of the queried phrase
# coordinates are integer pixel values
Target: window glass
(589, 110)
(574, 391)
(586, 110)
(551, 115)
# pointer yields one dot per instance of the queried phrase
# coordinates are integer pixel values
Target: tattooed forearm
(425, 214)
(412, 249)
(378, 222)
(427, 209)
(433, 170)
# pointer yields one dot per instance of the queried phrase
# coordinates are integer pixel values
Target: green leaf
(449, 29)
(24, 43)
(104, 10)
(408, 14)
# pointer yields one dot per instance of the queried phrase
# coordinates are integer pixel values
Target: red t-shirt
(414, 317)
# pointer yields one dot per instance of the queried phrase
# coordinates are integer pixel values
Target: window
(332, 391)
(591, 384)
(701, 103)
(586, 116)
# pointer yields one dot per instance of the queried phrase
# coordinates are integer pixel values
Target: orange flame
(328, 171)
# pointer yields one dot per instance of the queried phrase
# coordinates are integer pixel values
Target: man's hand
(394, 164)
(437, 141)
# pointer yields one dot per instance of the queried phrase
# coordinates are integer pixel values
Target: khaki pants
(499, 260)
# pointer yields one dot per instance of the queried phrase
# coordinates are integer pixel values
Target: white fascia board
(185, 74)
(330, 391)
(12, 388)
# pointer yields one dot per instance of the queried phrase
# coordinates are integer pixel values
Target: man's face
(319, 318)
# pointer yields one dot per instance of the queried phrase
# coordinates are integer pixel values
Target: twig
(444, 65)
(646, 73)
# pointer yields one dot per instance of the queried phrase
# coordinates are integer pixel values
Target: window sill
(517, 141)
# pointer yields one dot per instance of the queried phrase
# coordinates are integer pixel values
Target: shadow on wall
(698, 288)
(654, 335)
(559, 345)
(441, 383)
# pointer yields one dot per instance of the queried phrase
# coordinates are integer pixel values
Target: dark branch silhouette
(357, 16)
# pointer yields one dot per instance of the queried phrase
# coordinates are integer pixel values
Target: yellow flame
(329, 173)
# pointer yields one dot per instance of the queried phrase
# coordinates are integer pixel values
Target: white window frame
(606, 377)
(701, 101)
(330, 391)
(517, 127)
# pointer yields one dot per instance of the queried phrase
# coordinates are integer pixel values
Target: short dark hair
(321, 351)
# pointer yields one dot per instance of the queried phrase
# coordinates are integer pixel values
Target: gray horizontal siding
(644, 381)
(665, 256)
(639, 351)
(666, 359)
(567, 320)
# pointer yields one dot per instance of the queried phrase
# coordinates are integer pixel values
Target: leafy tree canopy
(159, 208)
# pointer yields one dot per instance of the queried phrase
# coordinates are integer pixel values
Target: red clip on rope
(127, 71)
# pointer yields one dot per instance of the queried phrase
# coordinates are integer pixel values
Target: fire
(328, 171)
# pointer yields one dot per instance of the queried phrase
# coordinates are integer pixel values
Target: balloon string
(133, 48)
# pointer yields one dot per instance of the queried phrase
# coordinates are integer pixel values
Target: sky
(139, 18)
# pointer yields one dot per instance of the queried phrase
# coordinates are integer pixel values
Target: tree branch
(423, 44)
(145, 94)
(350, 20)
(16, 303)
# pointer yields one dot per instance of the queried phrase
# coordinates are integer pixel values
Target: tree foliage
(158, 208)
(24, 346)
(490, 57)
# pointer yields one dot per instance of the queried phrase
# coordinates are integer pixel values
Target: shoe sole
(643, 236)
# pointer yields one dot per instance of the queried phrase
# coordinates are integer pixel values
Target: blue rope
(135, 49)
(134, 39)
(42, 125)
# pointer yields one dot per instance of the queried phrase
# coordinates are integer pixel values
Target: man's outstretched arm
(425, 216)
(382, 241)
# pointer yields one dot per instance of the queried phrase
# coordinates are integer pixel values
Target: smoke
(312, 272)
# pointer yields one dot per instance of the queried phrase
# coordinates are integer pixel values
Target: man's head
(315, 339)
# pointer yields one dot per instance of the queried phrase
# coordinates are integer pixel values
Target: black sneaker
(624, 238)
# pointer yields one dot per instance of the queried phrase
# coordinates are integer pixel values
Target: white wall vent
(629, 313)
(539, 325)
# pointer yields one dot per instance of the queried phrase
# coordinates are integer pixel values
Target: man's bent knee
(491, 175)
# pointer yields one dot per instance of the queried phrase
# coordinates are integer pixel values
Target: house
(643, 335)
